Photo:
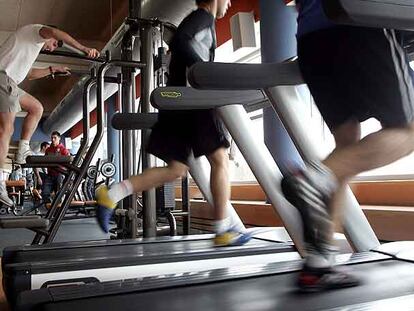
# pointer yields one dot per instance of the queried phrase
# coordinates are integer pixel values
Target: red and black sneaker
(319, 279)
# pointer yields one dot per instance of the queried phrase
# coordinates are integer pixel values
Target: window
(101, 152)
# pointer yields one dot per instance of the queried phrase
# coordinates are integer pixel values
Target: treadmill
(33, 267)
(387, 282)
(387, 270)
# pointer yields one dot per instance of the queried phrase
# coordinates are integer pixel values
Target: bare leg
(6, 131)
(219, 182)
(353, 156)
(220, 190)
(157, 176)
(345, 135)
(34, 111)
(375, 150)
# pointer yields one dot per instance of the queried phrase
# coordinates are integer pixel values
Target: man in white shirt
(17, 56)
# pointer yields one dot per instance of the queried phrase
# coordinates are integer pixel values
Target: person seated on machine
(17, 56)
(353, 73)
(177, 133)
(41, 173)
(53, 180)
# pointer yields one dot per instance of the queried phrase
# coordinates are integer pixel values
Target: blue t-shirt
(311, 17)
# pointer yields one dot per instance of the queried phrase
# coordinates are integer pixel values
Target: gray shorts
(10, 94)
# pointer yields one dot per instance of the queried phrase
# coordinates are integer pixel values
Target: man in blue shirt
(354, 73)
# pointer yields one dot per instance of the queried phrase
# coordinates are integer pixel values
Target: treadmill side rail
(395, 14)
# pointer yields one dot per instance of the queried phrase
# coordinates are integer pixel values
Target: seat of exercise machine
(49, 159)
(187, 98)
(134, 121)
(393, 14)
(29, 222)
(230, 76)
(16, 183)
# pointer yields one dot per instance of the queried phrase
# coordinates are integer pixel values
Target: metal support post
(147, 85)
(127, 104)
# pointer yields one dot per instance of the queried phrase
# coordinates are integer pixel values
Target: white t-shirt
(20, 51)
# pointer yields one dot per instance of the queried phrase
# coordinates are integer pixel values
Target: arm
(38, 178)
(65, 152)
(38, 73)
(186, 41)
(36, 172)
(185, 46)
(49, 33)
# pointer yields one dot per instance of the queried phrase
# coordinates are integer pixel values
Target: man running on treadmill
(17, 56)
(177, 133)
(354, 74)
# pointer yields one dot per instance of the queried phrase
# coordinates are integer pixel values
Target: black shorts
(177, 133)
(358, 73)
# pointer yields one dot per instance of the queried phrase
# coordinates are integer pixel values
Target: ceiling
(83, 19)
(92, 22)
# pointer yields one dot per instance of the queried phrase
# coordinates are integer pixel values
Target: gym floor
(71, 230)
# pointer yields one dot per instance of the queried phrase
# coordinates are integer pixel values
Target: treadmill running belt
(381, 280)
(137, 250)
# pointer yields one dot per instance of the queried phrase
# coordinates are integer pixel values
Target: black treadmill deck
(263, 287)
(382, 280)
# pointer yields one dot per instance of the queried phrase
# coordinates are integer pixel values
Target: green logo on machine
(171, 94)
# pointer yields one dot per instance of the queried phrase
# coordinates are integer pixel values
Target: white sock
(120, 191)
(315, 259)
(221, 226)
(24, 145)
(233, 224)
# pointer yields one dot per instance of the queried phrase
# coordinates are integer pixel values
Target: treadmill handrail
(186, 98)
(29, 222)
(49, 159)
(395, 14)
(134, 121)
(74, 55)
(230, 76)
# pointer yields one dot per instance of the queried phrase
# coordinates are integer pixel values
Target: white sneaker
(22, 155)
(4, 197)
